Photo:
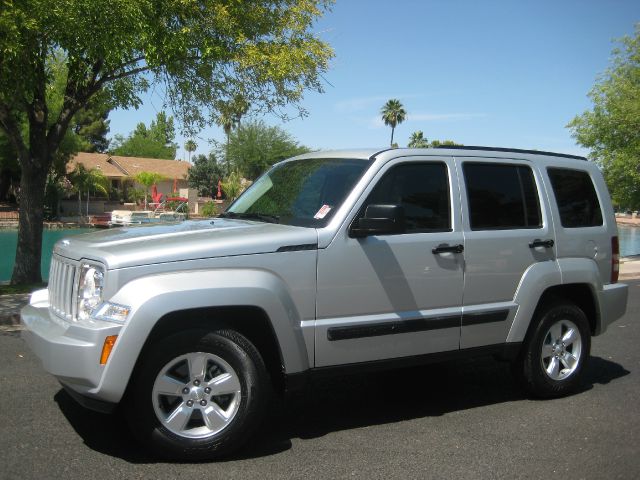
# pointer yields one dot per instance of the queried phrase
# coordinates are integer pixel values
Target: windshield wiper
(263, 217)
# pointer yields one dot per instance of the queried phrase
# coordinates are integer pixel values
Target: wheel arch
(546, 281)
(580, 294)
(250, 321)
(160, 304)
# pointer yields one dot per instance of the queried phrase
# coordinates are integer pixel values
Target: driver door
(396, 295)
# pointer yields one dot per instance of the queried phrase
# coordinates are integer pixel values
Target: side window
(422, 189)
(501, 196)
(576, 198)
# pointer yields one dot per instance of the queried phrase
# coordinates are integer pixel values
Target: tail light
(615, 259)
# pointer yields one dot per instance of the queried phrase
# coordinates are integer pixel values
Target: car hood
(190, 240)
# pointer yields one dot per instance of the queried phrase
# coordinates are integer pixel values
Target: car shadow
(347, 402)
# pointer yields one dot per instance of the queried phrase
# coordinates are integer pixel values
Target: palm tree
(148, 179)
(417, 140)
(226, 120)
(229, 115)
(87, 180)
(393, 114)
(190, 146)
(232, 185)
(239, 109)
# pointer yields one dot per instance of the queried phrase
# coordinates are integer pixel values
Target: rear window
(576, 198)
(501, 196)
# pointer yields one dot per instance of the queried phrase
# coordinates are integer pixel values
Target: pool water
(9, 241)
(629, 240)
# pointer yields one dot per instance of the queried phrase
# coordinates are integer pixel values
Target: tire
(554, 354)
(198, 395)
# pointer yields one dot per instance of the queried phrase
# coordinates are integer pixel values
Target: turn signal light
(109, 342)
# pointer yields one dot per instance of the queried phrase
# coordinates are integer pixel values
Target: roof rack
(513, 150)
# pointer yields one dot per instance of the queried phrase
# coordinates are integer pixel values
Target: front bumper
(70, 351)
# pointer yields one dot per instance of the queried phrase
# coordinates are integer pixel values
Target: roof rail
(513, 150)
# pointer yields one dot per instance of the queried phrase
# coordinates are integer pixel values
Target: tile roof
(115, 166)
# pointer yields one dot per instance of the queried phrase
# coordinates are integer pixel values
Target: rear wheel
(198, 395)
(554, 354)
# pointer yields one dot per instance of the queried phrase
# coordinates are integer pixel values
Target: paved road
(458, 420)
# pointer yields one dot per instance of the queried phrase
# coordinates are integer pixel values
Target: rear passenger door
(507, 229)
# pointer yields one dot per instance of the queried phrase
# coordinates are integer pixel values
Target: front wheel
(554, 354)
(198, 395)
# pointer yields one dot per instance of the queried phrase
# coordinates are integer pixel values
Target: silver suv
(333, 261)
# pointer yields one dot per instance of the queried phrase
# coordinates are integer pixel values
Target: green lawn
(13, 289)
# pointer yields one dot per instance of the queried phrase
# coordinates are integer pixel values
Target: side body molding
(154, 296)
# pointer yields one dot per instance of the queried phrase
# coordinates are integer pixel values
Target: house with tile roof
(121, 170)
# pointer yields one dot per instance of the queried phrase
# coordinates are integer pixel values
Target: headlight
(89, 290)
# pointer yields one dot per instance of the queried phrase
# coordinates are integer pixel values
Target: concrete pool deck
(630, 268)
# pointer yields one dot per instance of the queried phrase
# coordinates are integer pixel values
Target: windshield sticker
(322, 212)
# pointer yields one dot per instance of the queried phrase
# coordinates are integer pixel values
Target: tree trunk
(226, 154)
(26, 269)
(392, 129)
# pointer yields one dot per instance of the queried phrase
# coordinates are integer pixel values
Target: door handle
(444, 248)
(541, 243)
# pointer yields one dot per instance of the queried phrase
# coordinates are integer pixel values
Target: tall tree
(9, 167)
(200, 51)
(611, 129)
(157, 141)
(190, 146)
(225, 120)
(230, 112)
(204, 174)
(393, 114)
(239, 108)
(91, 124)
(87, 130)
(255, 146)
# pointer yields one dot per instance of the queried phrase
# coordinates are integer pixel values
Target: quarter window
(422, 189)
(576, 198)
(501, 196)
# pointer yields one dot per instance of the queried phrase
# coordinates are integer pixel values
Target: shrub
(209, 209)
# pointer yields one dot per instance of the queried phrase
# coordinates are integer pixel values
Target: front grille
(61, 281)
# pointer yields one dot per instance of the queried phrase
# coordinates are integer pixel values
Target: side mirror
(379, 220)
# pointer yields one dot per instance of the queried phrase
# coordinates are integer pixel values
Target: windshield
(301, 192)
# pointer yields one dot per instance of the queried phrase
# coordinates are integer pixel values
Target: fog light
(109, 342)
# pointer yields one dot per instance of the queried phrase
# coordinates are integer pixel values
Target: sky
(502, 73)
